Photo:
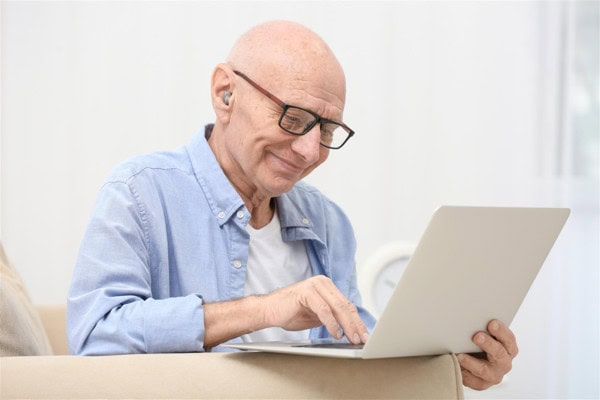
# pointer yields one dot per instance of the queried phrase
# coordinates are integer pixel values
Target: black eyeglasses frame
(318, 119)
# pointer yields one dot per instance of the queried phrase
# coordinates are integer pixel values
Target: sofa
(42, 367)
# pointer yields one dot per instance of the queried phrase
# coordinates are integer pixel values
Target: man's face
(269, 159)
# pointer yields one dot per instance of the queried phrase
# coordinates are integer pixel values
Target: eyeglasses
(299, 121)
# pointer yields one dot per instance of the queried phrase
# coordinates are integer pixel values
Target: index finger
(505, 336)
(344, 312)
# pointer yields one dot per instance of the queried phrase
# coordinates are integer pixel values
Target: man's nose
(309, 145)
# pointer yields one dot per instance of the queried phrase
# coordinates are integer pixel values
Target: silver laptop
(472, 264)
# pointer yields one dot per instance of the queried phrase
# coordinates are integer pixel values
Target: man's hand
(306, 304)
(314, 302)
(500, 347)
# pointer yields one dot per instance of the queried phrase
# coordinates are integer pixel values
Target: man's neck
(260, 206)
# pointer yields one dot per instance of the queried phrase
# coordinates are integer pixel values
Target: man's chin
(282, 185)
(281, 182)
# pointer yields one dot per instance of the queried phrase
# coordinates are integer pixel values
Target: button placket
(238, 249)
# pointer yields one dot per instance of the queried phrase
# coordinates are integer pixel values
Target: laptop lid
(472, 264)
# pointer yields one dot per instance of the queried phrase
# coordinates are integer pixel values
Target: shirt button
(237, 264)
(305, 221)
(240, 214)
(221, 215)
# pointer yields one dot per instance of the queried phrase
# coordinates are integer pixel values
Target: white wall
(453, 102)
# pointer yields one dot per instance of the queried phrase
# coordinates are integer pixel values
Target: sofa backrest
(21, 330)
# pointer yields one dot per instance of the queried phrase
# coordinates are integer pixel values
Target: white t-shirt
(273, 264)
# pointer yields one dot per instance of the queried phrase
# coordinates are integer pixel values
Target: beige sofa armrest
(228, 375)
(218, 375)
(54, 319)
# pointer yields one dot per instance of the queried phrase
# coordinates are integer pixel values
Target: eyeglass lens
(298, 121)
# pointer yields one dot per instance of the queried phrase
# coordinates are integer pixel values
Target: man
(220, 241)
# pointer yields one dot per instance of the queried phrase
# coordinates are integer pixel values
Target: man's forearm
(229, 319)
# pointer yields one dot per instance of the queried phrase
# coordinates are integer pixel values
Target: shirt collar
(296, 222)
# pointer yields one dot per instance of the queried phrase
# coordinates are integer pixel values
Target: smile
(287, 166)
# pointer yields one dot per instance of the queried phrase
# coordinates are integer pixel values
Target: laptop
(472, 265)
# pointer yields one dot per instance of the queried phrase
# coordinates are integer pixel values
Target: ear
(222, 81)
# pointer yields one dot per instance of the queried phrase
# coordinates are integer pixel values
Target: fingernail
(365, 337)
(494, 326)
(480, 339)
(460, 357)
(356, 338)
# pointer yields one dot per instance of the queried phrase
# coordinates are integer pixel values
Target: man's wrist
(258, 312)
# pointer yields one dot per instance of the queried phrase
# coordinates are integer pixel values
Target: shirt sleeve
(356, 299)
(110, 308)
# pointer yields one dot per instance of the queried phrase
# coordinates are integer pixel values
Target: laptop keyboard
(333, 346)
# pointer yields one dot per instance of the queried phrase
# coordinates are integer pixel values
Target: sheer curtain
(575, 313)
(559, 320)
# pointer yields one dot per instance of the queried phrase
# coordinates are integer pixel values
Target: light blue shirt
(166, 235)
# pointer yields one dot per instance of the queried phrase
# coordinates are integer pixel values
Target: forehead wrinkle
(316, 98)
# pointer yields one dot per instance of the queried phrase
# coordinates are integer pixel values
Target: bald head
(287, 51)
